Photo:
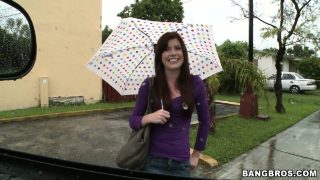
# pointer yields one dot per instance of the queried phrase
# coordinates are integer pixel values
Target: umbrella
(126, 58)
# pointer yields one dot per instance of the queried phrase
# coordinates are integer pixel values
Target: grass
(60, 109)
(235, 135)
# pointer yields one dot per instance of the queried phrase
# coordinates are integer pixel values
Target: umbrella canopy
(126, 58)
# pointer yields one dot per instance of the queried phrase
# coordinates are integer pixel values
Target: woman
(174, 95)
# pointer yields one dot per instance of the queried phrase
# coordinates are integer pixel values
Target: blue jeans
(167, 166)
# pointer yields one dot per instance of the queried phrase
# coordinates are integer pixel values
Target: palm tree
(247, 75)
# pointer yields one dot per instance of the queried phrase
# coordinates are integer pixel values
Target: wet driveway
(92, 139)
(96, 139)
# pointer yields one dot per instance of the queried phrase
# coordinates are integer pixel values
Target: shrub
(310, 68)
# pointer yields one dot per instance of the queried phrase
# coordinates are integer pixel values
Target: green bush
(229, 51)
(310, 68)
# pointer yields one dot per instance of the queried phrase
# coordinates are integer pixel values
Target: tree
(310, 67)
(294, 22)
(269, 51)
(227, 52)
(155, 10)
(238, 49)
(247, 73)
(16, 37)
(239, 74)
(105, 33)
(301, 52)
(225, 81)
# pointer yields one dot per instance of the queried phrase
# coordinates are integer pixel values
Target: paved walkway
(297, 148)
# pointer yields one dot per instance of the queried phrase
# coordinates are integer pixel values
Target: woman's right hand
(158, 117)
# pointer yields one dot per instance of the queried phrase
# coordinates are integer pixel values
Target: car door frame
(287, 82)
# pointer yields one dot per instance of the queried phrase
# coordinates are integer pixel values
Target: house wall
(68, 34)
(285, 65)
(267, 64)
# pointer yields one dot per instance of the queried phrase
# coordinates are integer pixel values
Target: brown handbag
(134, 153)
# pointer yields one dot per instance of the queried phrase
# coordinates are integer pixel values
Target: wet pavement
(297, 148)
(93, 138)
(96, 139)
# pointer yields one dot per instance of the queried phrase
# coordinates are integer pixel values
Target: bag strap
(149, 95)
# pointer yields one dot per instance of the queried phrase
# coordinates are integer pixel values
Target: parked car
(293, 82)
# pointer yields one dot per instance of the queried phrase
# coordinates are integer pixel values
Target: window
(288, 77)
(18, 46)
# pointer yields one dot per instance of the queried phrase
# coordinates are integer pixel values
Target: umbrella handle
(161, 104)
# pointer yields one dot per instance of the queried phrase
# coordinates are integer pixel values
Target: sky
(6, 12)
(217, 13)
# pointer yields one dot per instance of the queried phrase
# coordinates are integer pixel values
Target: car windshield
(60, 109)
(63, 111)
(299, 76)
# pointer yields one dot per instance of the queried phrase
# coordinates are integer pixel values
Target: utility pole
(249, 101)
(250, 54)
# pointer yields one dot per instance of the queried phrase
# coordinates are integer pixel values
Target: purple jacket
(171, 140)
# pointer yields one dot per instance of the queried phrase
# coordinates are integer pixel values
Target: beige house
(68, 34)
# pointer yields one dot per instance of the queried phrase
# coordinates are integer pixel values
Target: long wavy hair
(184, 81)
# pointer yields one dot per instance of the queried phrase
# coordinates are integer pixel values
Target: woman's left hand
(194, 159)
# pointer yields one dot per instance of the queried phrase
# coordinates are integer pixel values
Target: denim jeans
(167, 166)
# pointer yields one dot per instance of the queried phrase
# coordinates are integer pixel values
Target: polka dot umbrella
(126, 58)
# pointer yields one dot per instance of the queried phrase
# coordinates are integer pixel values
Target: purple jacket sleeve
(201, 103)
(140, 107)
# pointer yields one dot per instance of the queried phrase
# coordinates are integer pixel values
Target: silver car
(292, 82)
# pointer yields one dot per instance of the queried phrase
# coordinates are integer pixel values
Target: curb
(227, 115)
(193, 123)
(206, 160)
(227, 102)
(63, 114)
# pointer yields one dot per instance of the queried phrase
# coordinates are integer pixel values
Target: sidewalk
(297, 148)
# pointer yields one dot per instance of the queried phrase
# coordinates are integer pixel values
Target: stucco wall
(285, 66)
(267, 65)
(68, 34)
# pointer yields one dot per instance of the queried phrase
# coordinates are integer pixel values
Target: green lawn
(235, 135)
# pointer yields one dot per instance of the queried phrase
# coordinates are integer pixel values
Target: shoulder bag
(134, 153)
